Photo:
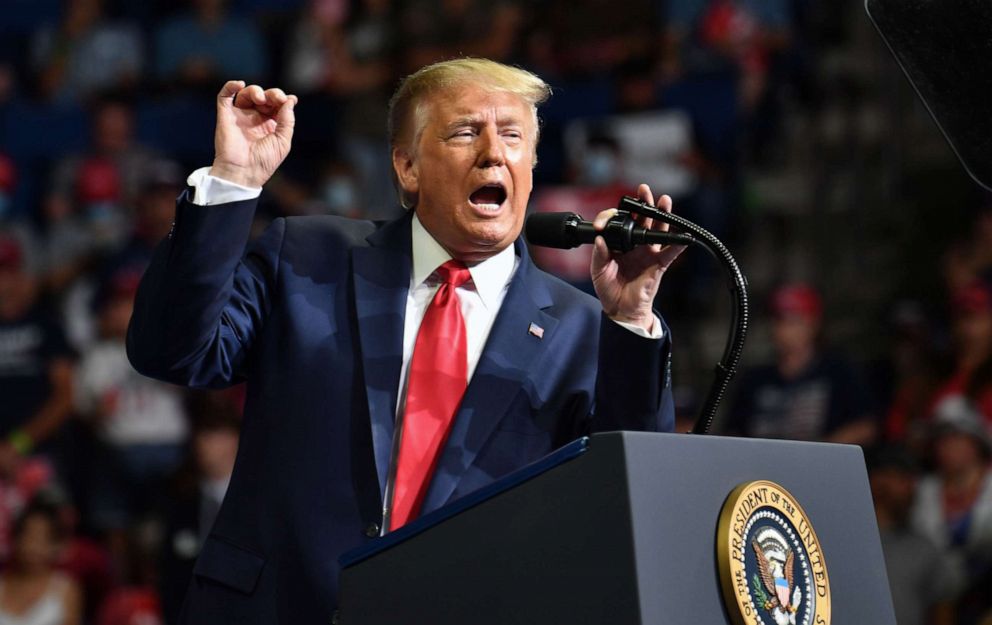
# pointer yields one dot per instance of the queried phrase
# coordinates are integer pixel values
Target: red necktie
(436, 382)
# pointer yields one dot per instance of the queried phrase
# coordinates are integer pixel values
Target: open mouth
(489, 196)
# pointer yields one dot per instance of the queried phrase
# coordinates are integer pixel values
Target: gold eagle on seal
(775, 560)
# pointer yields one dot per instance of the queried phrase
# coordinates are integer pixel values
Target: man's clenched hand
(254, 132)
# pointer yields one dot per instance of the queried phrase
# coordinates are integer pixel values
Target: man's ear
(407, 172)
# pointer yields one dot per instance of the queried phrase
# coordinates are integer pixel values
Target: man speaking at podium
(391, 367)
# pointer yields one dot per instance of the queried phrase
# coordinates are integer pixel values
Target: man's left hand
(627, 283)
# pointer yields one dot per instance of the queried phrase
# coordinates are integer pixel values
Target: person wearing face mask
(392, 367)
(339, 191)
(595, 181)
(601, 162)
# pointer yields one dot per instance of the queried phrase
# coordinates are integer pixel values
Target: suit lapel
(381, 276)
(510, 352)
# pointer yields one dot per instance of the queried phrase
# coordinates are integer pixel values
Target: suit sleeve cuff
(657, 329)
(209, 190)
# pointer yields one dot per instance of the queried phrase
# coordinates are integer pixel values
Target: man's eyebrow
(476, 120)
(466, 120)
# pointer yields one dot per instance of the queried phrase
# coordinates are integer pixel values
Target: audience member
(32, 591)
(597, 175)
(196, 496)
(345, 58)
(705, 36)
(338, 192)
(81, 556)
(155, 210)
(87, 53)
(922, 578)
(13, 225)
(18, 488)
(35, 363)
(744, 44)
(909, 375)
(140, 423)
(92, 220)
(82, 228)
(807, 394)
(134, 599)
(954, 504)
(971, 328)
(317, 47)
(365, 87)
(112, 140)
(199, 47)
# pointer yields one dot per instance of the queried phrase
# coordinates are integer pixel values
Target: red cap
(974, 298)
(799, 300)
(97, 181)
(11, 254)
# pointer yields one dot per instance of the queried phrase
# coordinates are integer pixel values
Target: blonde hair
(407, 104)
(407, 107)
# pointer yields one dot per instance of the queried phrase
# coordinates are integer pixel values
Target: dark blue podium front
(617, 529)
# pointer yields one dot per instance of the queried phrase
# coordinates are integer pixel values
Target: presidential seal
(771, 566)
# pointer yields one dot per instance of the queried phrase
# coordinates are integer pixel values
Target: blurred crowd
(109, 481)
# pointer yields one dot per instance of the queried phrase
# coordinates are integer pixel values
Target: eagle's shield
(782, 591)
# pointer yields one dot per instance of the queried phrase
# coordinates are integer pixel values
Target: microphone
(622, 234)
(567, 230)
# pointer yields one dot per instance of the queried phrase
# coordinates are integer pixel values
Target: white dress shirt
(479, 298)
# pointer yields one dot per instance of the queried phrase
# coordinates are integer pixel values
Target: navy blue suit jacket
(311, 316)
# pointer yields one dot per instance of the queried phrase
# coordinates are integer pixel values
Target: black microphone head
(552, 229)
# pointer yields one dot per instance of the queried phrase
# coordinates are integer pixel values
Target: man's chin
(486, 242)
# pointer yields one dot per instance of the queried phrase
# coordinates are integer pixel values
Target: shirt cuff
(210, 190)
(657, 329)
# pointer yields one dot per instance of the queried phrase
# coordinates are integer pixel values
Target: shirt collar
(489, 276)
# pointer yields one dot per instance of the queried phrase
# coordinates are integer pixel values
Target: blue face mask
(339, 195)
(599, 167)
(100, 212)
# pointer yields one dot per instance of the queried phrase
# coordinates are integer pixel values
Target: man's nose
(490, 148)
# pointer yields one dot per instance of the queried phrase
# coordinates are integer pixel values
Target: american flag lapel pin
(536, 330)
